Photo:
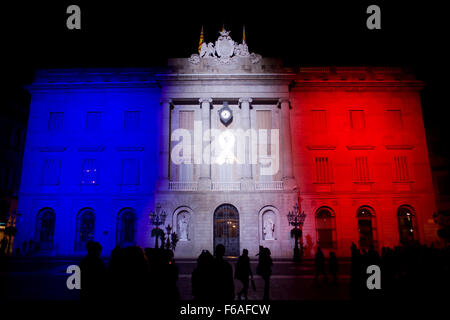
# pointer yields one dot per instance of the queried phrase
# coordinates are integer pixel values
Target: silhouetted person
(24, 247)
(223, 276)
(203, 277)
(243, 272)
(320, 265)
(264, 269)
(333, 265)
(93, 273)
(170, 277)
(372, 256)
(3, 246)
(30, 246)
(356, 275)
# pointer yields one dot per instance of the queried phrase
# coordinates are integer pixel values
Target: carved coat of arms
(225, 51)
(225, 45)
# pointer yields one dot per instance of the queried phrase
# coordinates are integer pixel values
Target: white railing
(226, 186)
(183, 186)
(269, 185)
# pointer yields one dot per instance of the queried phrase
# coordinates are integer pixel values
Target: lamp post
(296, 220)
(157, 218)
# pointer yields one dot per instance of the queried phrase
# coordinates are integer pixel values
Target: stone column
(286, 144)
(204, 182)
(164, 140)
(246, 178)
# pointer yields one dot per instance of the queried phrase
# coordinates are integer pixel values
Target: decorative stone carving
(225, 51)
(183, 225)
(269, 225)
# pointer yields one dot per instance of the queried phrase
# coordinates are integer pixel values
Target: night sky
(302, 33)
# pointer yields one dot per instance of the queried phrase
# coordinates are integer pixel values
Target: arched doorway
(226, 229)
(366, 227)
(126, 227)
(85, 229)
(45, 228)
(326, 228)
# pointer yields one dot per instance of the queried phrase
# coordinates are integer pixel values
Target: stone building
(225, 143)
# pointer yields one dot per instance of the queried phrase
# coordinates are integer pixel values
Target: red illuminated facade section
(360, 158)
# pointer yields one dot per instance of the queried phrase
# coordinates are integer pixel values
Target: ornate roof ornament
(224, 51)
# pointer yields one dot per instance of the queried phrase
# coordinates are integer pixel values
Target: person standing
(203, 277)
(333, 266)
(243, 272)
(223, 276)
(264, 269)
(320, 265)
(93, 273)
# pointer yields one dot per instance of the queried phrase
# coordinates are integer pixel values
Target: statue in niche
(183, 225)
(269, 226)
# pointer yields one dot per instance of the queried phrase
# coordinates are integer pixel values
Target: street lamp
(157, 218)
(296, 220)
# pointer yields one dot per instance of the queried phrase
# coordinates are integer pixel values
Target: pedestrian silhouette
(24, 247)
(243, 272)
(93, 273)
(223, 276)
(203, 277)
(264, 269)
(320, 265)
(3, 246)
(333, 266)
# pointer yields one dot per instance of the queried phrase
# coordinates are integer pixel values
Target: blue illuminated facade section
(91, 159)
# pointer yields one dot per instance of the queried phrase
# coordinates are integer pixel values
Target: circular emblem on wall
(225, 114)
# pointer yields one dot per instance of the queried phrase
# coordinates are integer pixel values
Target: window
(126, 227)
(225, 172)
(93, 121)
(361, 170)
(366, 226)
(401, 169)
(325, 228)
(323, 171)
(264, 122)
(45, 228)
(394, 119)
(89, 174)
(406, 224)
(132, 120)
(85, 228)
(186, 168)
(319, 120)
(357, 120)
(264, 125)
(55, 121)
(51, 171)
(130, 171)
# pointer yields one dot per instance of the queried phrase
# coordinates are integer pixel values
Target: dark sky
(146, 33)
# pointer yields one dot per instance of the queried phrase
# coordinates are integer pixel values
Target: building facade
(225, 143)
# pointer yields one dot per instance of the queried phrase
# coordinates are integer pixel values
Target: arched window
(406, 224)
(325, 228)
(126, 227)
(85, 230)
(45, 228)
(366, 226)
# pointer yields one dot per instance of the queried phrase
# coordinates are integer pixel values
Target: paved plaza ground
(45, 278)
